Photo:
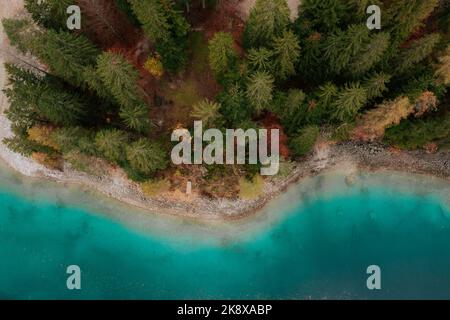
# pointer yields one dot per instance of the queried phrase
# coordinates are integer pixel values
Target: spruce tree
(342, 47)
(260, 59)
(73, 138)
(23, 91)
(50, 14)
(418, 51)
(34, 98)
(22, 34)
(222, 55)
(327, 93)
(154, 19)
(146, 157)
(292, 110)
(321, 15)
(207, 111)
(405, 16)
(259, 91)
(120, 77)
(67, 55)
(286, 54)
(375, 85)
(60, 106)
(136, 117)
(111, 143)
(371, 55)
(304, 141)
(166, 27)
(268, 19)
(443, 70)
(234, 105)
(350, 100)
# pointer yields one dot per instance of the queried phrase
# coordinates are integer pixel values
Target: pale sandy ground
(348, 157)
(247, 5)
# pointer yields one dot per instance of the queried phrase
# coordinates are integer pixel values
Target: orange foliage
(372, 124)
(42, 135)
(53, 162)
(425, 103)
(269, 122)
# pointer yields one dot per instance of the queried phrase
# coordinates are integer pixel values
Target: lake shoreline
(349, 158)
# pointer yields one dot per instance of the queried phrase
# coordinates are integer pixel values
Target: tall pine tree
(268, 19)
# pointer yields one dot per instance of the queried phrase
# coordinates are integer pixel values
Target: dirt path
(247, 5)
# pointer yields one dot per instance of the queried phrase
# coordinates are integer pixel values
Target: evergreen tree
(94, 82)
(234, 105)
(207, 111)
(22, 34)
(443, 70)
(287, 53)
(405, 16)
(371, 55)
(327, 93)
(67, 139)
(342, 47)
(23, 91)
(260, 59)
(350, 100)
(375, 85)
(222, 55)
(50, 14)
(154, 19)
(268, 19)
(418, 51)
(304, 141)
(291, 109)
(166, 27)
(111, 143)
(259, 91)
(37, 99)
(120, 77)
(146, 157)
(322, 15)
(42, 134)
(136, 117)
(67, 54)
(60, 106)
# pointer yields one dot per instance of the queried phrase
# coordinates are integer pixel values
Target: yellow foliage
(154, 188)
(425, 103)
(373, 123)
(42, 135)
(154, 66)
(251, 189)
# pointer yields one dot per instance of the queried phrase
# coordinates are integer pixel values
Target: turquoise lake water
(315, 242)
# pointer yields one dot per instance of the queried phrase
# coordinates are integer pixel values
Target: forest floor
(346, 157)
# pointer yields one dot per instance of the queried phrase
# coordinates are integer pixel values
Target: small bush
(153, 188)
(51, 161)
(251, 189)
(304, 141)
